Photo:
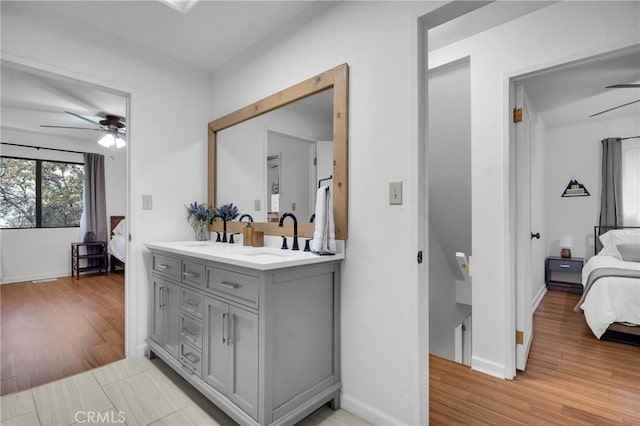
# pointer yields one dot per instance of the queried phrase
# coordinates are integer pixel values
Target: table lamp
(566, 244)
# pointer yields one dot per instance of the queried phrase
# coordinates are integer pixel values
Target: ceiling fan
(619, 86)
(112, 125)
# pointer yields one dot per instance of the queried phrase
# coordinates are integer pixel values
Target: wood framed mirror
(337, 79)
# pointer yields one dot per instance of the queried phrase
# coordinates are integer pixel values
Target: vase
(201, 229)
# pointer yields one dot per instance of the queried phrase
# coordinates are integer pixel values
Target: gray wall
(449, 168)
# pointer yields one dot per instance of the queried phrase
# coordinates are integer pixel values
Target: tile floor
(135, 391)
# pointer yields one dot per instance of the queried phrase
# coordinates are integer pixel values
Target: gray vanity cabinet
(165, 315)
(231, 353)
(262, 344)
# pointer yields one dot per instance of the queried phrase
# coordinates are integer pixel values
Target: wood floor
(57, 329)
(571, 378)
(52, 330)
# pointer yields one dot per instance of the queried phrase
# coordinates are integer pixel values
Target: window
(40, 193)
(631, 182)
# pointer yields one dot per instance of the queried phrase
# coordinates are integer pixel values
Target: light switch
(147, 202)
(395, 193)
(256, 205)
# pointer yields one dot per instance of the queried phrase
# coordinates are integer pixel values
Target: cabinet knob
(536, 235)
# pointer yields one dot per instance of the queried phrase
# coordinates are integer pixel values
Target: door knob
(536, 235)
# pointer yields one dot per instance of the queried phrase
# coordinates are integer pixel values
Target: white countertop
(261, 258)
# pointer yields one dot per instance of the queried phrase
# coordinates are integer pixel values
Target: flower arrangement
(228, 212)
(200, 216)
(200, 212)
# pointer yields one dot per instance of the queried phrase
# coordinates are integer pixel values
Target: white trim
(538, 298)
(366, 412)
(23, 278)
(488, 367)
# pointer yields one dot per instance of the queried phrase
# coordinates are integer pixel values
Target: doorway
(32, 97)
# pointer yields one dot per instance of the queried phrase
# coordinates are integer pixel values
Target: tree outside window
(40, 193)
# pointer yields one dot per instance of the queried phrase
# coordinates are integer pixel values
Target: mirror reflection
(277, 160)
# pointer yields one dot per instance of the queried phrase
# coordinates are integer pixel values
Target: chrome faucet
(295, 230)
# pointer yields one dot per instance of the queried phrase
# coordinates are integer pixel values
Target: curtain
(611, 195)
(94, 215)
(631, 182)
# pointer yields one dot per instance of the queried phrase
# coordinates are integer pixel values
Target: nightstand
(562, 274)
(96, 255)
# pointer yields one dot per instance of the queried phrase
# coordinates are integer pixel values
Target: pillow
(630, 252)
(611, 239)
(120, 228)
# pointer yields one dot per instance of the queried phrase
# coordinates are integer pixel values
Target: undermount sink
(265, 253)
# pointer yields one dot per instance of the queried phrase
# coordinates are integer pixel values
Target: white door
(525, 235)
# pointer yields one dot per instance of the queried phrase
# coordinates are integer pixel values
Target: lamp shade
(566, 241)
(107, 140)
(111, 139)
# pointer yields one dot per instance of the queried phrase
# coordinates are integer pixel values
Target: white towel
(324, 235)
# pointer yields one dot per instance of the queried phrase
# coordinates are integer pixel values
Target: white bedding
(117, 247)
(611, 299)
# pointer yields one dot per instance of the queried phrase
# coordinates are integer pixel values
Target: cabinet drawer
(234, 285)
(192, 303)
(191, 358)
(565, 265)
(191, 331)
(193, 273)
(166, 266)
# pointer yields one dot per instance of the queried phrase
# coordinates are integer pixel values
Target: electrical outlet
(256, 205)
(147, 202)
(395, 193)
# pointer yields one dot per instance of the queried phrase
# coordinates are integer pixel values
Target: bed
(117, 247)
(611, 285)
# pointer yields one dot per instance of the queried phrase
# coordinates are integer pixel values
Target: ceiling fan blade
(624, 86)
(86, 119)
(614, 108)
(76, 128)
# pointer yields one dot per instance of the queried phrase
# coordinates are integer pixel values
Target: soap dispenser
(247, 235)
(247, 232)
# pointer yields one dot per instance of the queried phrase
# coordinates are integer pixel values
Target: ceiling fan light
(120, 142)
(107, 140)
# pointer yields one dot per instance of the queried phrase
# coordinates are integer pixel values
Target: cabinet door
(243, 374)
(171, 307)
(216, 350)
(157, 317)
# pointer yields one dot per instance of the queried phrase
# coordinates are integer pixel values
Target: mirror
(278, 163)
(284, 157)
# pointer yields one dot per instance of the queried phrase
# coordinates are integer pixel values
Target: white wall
(167, 156)
(576, 152)
(379, 334)
(553, 35)
(449, 158)
(18, 246)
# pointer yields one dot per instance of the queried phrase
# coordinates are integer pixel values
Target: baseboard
(142, 350)
(366, 412)
(29, 278)
(487, 367)
(538, 298)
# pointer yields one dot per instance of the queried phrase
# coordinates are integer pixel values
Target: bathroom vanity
(256, 330)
